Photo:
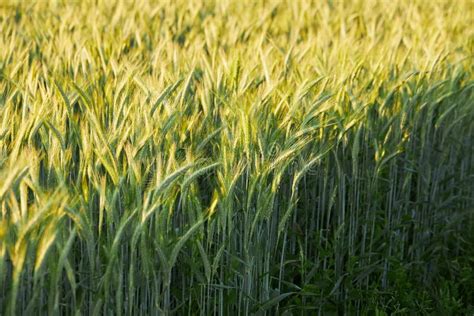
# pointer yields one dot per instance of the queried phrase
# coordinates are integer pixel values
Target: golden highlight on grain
(224, 157)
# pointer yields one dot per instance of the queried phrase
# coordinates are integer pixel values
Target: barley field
(236, 157)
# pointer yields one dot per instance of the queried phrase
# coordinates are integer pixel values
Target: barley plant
(236, 157)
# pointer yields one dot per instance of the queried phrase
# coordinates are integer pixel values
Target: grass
(236, 157)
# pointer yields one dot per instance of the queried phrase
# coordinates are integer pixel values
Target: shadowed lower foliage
(236, 157)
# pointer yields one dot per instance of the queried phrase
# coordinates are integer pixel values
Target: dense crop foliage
(236, 157)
